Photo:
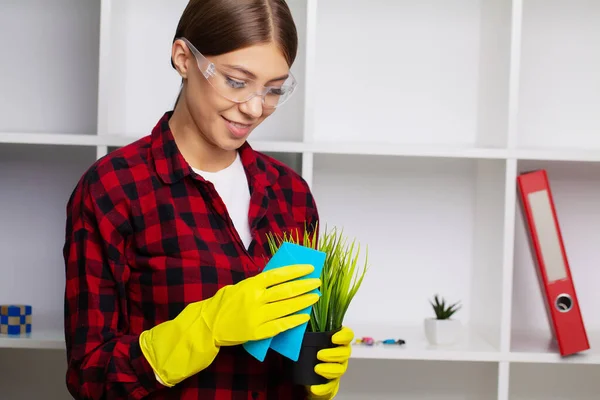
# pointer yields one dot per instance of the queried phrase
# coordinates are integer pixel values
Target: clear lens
(240, 91)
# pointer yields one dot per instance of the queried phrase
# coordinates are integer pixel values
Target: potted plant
(442, 330)
(341, 278)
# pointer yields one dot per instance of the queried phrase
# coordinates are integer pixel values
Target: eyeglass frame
(211, 69)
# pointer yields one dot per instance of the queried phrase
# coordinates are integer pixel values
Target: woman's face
(222, 122)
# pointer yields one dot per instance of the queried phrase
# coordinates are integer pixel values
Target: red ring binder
(550, 259)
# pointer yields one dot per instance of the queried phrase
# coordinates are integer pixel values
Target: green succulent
(441, 310)
(340, 279)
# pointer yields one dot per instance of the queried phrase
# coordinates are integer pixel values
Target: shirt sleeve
(104, 361)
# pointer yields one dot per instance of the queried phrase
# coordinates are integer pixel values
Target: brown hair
(219, 26)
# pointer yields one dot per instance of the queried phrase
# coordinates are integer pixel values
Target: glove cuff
(148, 351)
(179, 348)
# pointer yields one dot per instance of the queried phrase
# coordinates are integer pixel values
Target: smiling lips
(238, 130)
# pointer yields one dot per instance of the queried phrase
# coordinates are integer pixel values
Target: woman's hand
(334, 365)
(256, 308)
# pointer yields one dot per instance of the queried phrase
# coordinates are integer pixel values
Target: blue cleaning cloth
(288, 343)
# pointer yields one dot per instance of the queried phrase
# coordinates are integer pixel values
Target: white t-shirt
(232, 185)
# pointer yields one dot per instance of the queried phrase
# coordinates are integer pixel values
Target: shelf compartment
(471, 347)
(139, 84)
(430, 228)
(438, 73)
(37, 181)
(559, 80)
(575, 189)
(409, 380)
(554, 381)
(51, 87)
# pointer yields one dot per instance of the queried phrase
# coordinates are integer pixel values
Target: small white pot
(442, 331)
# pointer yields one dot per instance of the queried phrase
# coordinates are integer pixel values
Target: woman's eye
(277, 91)
(234, 83)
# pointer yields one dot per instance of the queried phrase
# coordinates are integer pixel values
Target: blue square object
(14, 329)
(288, 343)
(15, 320)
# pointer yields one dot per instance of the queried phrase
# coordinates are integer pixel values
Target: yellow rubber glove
(255, 308)
(334, 365)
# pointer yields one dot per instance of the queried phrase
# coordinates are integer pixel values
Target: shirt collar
(171, 166)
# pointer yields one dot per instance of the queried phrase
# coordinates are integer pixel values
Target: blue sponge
(288, 343)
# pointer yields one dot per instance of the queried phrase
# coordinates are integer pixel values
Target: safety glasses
(242, 90)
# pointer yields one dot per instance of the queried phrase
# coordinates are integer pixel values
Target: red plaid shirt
(145, 236)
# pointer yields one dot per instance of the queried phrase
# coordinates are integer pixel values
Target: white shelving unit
(411, 124)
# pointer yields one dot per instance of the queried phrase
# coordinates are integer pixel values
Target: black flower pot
(303, 370)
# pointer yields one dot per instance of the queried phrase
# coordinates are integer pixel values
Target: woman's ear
(179, 58)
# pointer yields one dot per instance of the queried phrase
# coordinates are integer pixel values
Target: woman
(166, 237)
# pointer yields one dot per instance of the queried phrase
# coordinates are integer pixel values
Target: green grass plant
(341, 278)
